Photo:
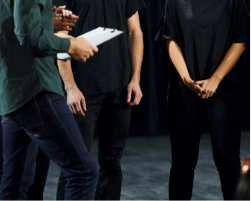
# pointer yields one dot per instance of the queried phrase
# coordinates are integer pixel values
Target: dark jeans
(47, 122)
(223, 113)
(36, 190)
(112, 120)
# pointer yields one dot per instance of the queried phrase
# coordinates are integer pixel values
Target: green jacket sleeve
(29, 29)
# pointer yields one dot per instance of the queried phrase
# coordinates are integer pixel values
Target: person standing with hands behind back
(205, 40)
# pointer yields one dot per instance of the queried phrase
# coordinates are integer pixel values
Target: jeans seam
(25, 164)
(69, 137)
(50, 104)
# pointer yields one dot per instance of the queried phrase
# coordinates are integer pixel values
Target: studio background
(149, 118)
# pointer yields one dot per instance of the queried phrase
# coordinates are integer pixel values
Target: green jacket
(28, 50)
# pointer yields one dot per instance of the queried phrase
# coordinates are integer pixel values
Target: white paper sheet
(95, 37)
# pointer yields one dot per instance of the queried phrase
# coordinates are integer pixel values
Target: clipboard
(95, 37)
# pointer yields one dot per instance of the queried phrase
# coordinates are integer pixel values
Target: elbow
(24, 39)
(136, 33)
(244, 46)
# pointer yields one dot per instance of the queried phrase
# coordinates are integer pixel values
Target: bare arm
(231, 58)
(136, 50)
(180, 64)
(75, 98)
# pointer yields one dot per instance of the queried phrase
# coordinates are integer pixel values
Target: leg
(36, 191)
(113, 127)
(49, 122)
(224, 114)
(185, 112)
(87, 127)
(19, 153)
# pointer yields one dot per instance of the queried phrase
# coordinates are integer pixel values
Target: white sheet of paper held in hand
(95, 37)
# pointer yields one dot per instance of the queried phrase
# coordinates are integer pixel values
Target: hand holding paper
(95, 37)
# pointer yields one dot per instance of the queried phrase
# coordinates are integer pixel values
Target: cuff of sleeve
(65, 45)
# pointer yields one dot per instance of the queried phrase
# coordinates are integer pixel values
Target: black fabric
(36, 190)
(204, 30)
(111, 117)
(149, 118)
(110, 68)
(223, 113)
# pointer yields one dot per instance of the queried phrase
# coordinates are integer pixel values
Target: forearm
(65, 71)
(177, 59)
(136, 50)
(229, 61)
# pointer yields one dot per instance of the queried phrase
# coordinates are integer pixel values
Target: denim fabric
(46, 121)
(187, 112)
(111, 117)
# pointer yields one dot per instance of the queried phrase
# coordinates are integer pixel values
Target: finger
(138, 99)
(69, 13)
(211, 94)
(60, 9)
(58, 15)
(203, 96)
(54, 8)
(83, 103)
(70, 108)
(70, 24)
(91, 54)
(207, 95)
(94, 48)
(79, 109)
(199, 89)
(74, 17)
(129, 95)
(73, 108)
(198, 82)
(67, 29)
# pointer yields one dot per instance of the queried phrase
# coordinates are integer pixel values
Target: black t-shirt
(204, 30)
(110, 68)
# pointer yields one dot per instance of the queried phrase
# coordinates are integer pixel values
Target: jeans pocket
(29, 118)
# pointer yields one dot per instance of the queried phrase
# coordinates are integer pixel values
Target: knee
(228, 165)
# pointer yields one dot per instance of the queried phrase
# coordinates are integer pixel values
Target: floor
(146, 163)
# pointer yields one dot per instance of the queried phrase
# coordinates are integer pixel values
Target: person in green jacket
(32, 104)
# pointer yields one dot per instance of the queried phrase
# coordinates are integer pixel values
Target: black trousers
(111, 117)
(36, 191)
(42, 166)
(223, 113)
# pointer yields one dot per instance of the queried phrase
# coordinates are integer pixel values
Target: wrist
(186, 79)
(70, 87)
(72, 45)
(135, 79)
(216, 78)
